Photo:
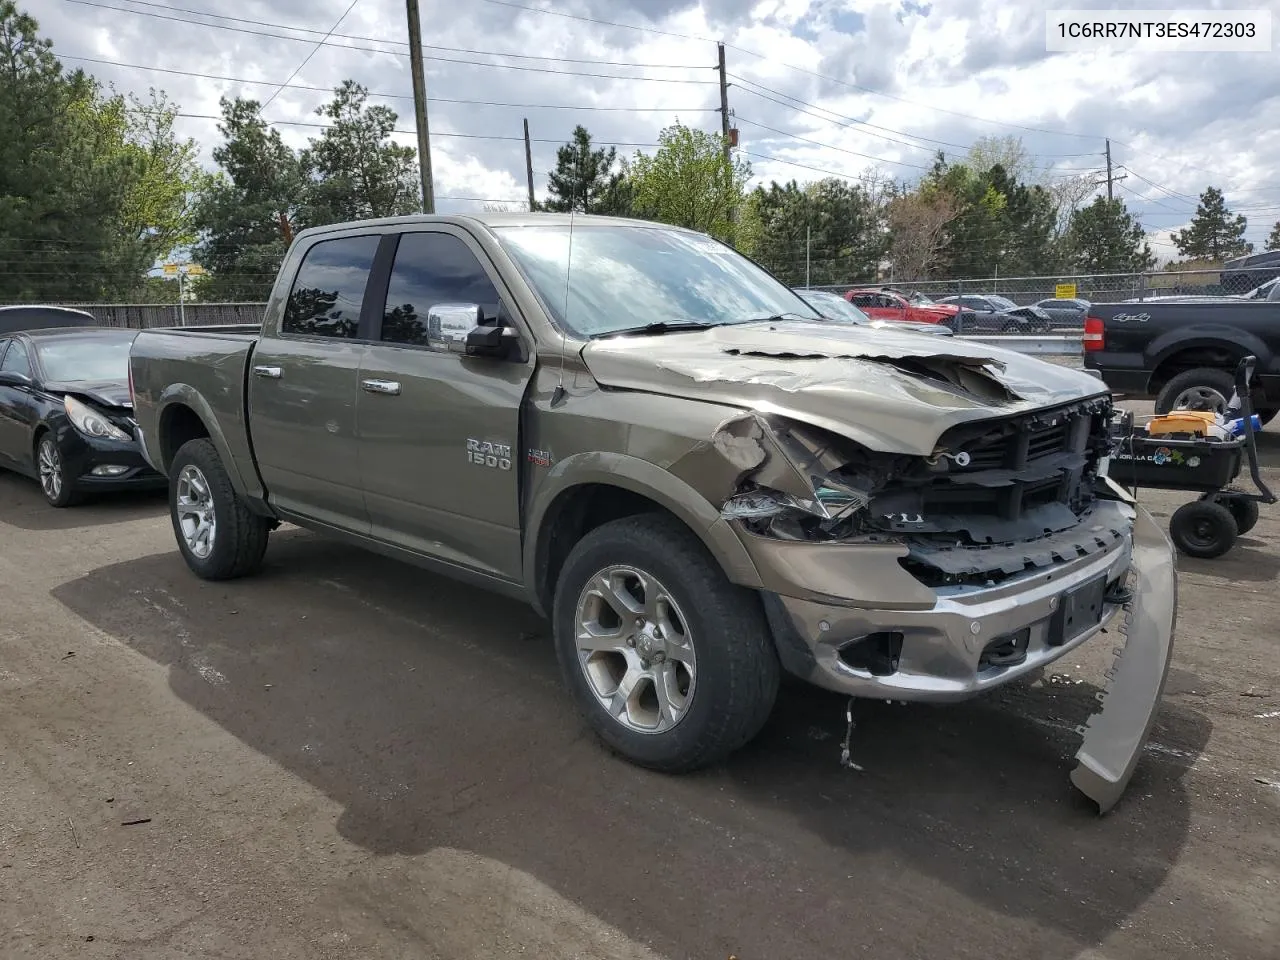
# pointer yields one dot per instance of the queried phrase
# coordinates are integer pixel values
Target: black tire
(737, 669)
(1015, 328)
(1244, 512)
(1219, 381)
(1203, 529)
(61, 492)
(240, 535)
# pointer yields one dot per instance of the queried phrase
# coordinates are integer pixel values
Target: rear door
(440, 431)
(303, 387)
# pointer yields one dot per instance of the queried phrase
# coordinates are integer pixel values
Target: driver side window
(432, 269)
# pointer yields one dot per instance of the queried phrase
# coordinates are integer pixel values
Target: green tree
(354, 170)
(248, 212)
(688, 182)
(1273, 241)
(839, 223)
(585, 180)
(1214, 232)
(1105, 238)
(93, 187)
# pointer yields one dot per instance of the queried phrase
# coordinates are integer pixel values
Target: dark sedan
(1002, 314)
(835, 307)
(66, 417)
(1064, 312)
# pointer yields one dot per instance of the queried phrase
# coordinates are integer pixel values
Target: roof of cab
(490, 220)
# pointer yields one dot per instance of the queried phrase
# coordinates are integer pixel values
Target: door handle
(381, 386)
(271, 373)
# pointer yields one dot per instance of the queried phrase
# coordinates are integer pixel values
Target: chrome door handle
(272, 373)
(381, 386)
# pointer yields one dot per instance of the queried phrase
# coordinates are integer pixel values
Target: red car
(882, 304)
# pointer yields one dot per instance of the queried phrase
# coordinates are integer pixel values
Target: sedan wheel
(52, 472)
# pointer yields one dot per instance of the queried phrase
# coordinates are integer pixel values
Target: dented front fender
(1114, 737)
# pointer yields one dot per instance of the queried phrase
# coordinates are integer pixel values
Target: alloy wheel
(194, 508)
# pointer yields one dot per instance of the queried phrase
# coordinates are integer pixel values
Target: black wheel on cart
(1243, 510)
(1204, 529)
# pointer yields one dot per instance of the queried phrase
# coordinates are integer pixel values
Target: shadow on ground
(23, 505)
(434, 714)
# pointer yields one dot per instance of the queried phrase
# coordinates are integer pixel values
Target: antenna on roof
(558, 395)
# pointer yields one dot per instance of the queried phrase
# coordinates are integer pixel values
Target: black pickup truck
(1182, 352)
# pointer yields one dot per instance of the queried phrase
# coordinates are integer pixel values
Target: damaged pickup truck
(700, 480)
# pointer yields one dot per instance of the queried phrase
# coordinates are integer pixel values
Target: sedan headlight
(91, 423)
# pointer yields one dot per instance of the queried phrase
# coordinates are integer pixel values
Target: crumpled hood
(107, 393)
(892, 391)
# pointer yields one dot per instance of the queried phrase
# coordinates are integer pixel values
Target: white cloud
(945, 75)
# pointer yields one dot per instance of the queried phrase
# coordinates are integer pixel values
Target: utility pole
(806, 256)
(1111, 177)
(1110, 196)
(420, 106)
(724, 102)
(528, 163)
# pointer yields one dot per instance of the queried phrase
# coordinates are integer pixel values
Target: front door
(17, 409)
(303, 388)
(440, 431)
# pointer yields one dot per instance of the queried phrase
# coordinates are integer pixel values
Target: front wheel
(54, 482)
(671, 664)
(219, 537)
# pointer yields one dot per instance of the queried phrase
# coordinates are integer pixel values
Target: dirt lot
(347, 757)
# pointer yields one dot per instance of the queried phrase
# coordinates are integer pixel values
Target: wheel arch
(587, 490)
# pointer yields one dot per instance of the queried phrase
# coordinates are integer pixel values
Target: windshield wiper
(784, 316)
(660, 326)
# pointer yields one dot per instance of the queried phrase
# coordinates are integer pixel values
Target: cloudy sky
(817, 86)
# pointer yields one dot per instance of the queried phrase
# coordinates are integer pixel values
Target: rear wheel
(1201, 389)
(1244, 511)
(54, 482)
(219, 537)
(671, 664)
(1203, 529)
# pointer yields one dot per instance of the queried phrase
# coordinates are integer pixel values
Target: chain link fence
(1094, 287)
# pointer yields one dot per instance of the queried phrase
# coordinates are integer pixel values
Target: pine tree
(1105, 238)
(1214, 232)
(1273, 241)
(584, 179)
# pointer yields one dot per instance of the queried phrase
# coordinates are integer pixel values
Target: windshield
(1003, 302)
(85, 358)
(834, 306)
(624, 278)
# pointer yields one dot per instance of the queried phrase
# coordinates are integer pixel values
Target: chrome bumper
(942, 647)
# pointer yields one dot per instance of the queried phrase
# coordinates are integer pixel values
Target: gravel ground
(347, 757)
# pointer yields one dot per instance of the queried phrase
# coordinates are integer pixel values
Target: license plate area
(1079, 609)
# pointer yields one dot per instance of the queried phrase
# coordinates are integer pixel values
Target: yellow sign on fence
(194, 270)
(170, 269)
(1064, 291)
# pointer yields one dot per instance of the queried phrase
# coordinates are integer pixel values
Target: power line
(434, 59)
(388, 40)
(382, 95)
(805, 166)
(307, 58)
(457, 136)
(829, 146)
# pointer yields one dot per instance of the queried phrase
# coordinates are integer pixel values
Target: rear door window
(15, 359)
(328, 292)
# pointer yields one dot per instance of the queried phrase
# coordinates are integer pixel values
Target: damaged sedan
(698, 479)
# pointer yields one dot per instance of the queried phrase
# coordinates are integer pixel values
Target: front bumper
(120, 464)
(941, 655)
(941, 650)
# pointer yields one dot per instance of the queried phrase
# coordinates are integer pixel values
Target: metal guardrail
(1047, 345)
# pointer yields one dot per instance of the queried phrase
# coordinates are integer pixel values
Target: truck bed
(205, 368)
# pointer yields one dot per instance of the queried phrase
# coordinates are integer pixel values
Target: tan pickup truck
(697, 477)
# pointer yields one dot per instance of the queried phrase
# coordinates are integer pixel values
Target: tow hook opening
(876, 653)
(1008, 650)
